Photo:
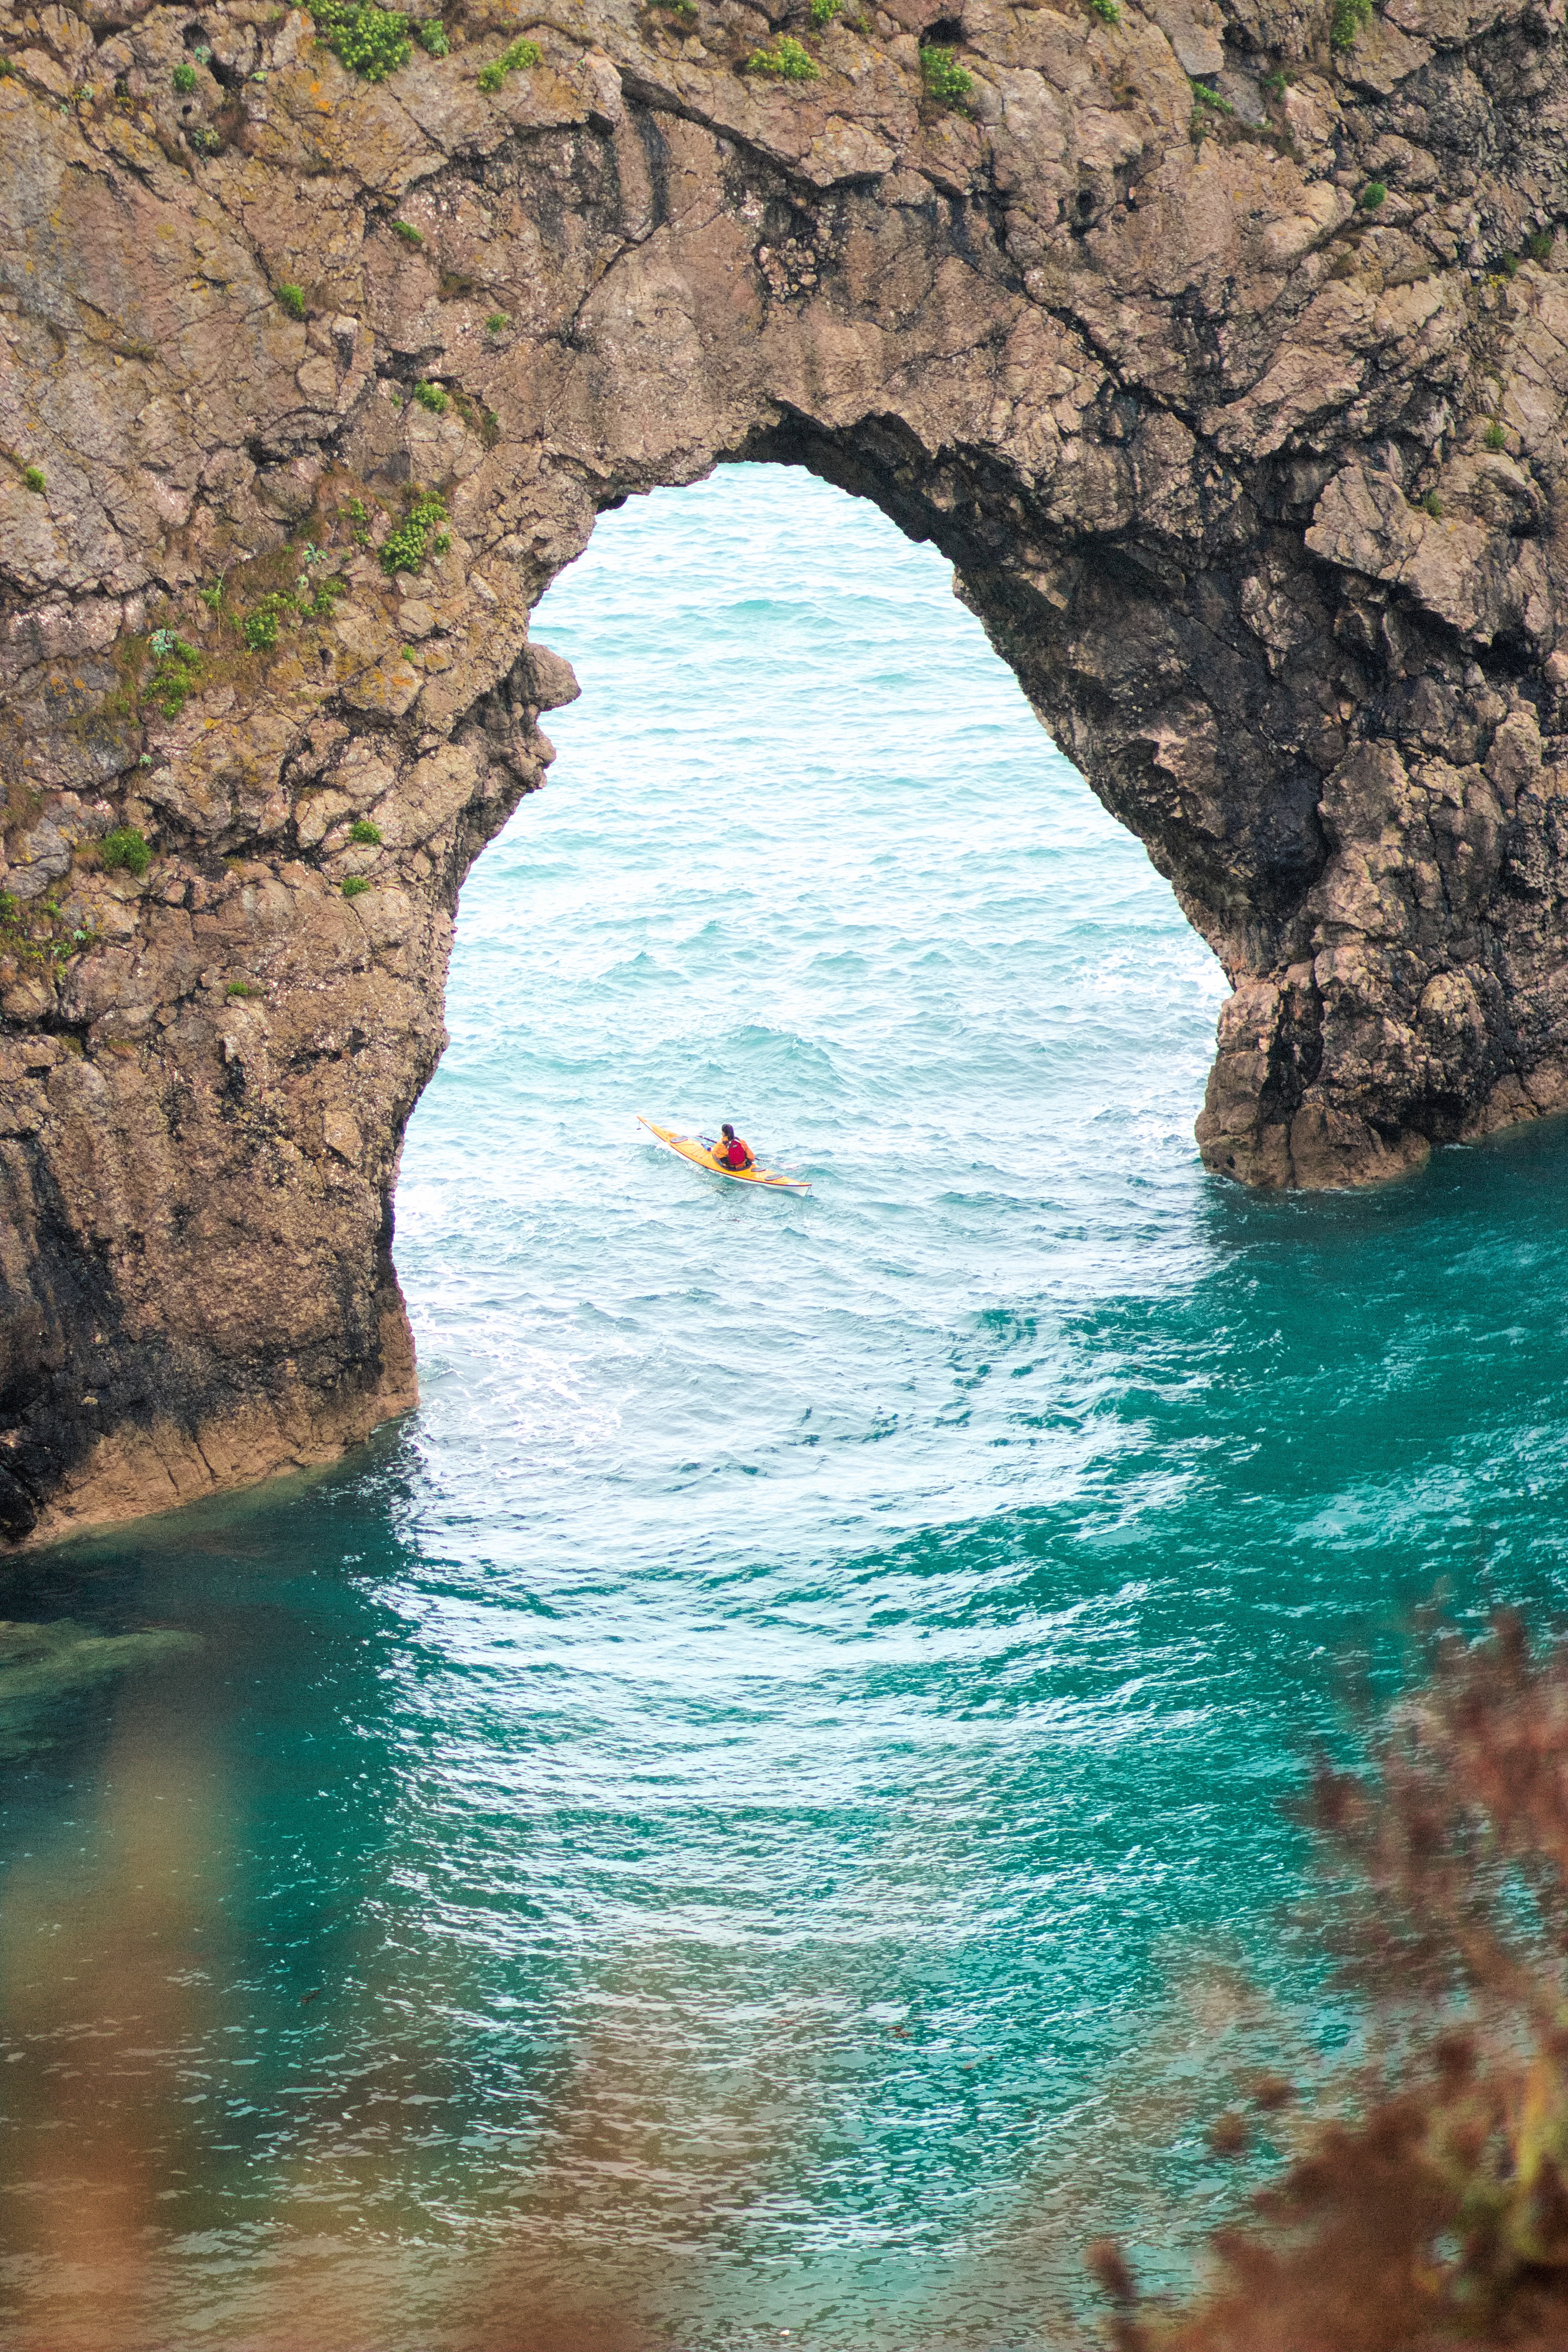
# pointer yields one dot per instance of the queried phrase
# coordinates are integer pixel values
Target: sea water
(757, 1816)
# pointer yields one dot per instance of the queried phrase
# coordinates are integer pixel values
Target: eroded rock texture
(1255, 479)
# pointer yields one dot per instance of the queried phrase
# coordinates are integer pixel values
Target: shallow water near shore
(759, 1809)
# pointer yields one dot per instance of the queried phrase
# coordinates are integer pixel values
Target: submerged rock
(40, 1664)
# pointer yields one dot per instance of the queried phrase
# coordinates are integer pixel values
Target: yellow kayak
(692, 1148)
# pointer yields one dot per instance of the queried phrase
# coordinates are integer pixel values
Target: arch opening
(806, 860)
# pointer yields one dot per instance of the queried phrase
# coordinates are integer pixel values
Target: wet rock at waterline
(1225, 361)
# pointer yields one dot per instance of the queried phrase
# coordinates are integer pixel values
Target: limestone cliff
(1222, 349)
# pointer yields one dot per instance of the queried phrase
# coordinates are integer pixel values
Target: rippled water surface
(758, 1809)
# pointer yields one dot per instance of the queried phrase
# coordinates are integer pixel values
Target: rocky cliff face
(1222, 349)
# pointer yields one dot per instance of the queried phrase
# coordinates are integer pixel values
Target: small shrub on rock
(497, 323)
(1539, 244)
(433, 40)
(785, 61)
(431, 396)
(354, 886)
(408, 232)
(405, 547)
(944, 78)
(1347, 20)
(177, 672)
(324, 597)
(1494, 437)
(371, 42)
(1372, 195)
(291, 297)
(822, 12)
(366, 833)
(125, 850)
(521, 57)
(260, 625)
(183, 79)
(1106, 11)
(33, 476)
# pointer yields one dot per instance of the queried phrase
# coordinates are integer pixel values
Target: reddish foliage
(1434, 2212)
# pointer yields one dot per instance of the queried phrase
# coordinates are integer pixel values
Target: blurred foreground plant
(1434, 2213)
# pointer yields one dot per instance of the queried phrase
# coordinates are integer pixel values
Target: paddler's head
(728, 1132)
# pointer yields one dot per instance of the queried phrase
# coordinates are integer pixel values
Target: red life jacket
(735, 1154)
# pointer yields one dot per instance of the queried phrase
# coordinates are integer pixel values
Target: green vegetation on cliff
(785, 61)
(125, 850)
(406, 546)
(521, 57)
(944, 79)
(371, 41)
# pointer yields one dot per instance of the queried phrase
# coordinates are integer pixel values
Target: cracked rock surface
(1228, 365)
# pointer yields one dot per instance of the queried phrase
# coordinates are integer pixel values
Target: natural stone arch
(1254, 481)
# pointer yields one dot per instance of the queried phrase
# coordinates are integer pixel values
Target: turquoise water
(759, 1809)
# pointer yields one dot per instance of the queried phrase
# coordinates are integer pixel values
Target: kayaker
(731, 1151)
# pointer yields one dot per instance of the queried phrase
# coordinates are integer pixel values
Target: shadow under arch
(1096, 642)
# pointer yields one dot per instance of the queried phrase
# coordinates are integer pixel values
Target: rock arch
(1222, 348)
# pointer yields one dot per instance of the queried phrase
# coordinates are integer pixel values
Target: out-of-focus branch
(1436, 2210)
